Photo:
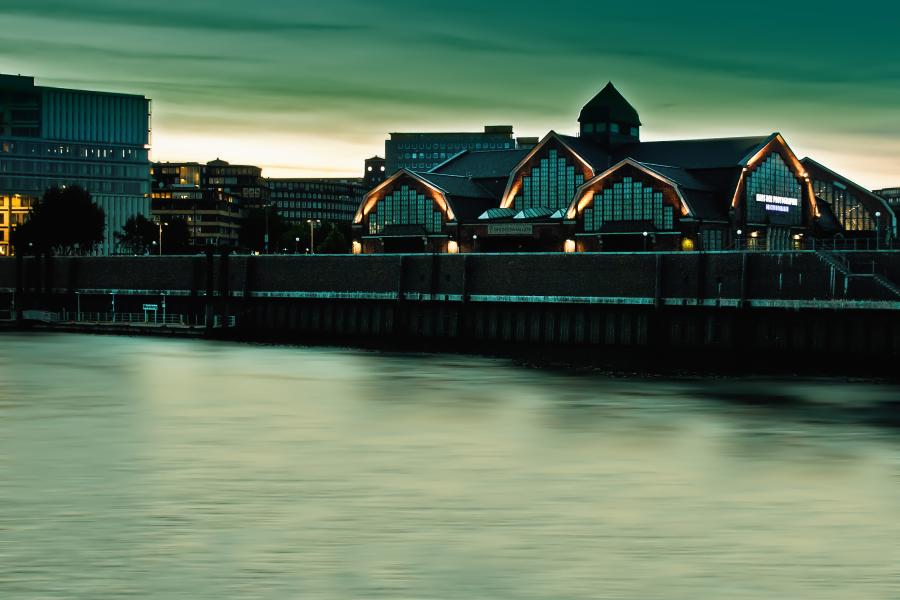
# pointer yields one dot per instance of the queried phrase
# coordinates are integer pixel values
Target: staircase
(841, 264)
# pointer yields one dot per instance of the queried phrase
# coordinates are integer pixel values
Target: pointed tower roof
(609, 106)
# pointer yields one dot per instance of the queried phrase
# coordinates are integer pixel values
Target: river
(158, 468)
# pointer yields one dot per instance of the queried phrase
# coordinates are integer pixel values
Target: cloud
(79, 52)
(217, 20)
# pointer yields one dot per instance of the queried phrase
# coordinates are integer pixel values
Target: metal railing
(142, 318)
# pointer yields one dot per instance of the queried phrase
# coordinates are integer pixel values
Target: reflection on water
(183, 469)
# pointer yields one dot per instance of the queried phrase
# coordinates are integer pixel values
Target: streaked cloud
(319, 85)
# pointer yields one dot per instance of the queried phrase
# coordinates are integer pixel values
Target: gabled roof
(609, 106)
(467, 198)
(715, 153)
(486, 164)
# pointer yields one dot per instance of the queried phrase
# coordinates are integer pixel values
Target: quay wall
(758, 304)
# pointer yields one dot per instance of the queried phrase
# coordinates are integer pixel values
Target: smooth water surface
(149, 468)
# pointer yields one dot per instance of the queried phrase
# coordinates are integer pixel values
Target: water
(148, 468)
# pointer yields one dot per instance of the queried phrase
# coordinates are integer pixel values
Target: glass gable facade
(774, 193)
(551, 184)
(629, 200)
(405, 206)
(845, 205)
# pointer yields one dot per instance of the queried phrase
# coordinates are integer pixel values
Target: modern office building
(53, 137)
(606, 190)
(423, 151)
(333, 200)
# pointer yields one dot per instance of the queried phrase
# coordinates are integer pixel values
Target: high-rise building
(423, 151)
(53, 137)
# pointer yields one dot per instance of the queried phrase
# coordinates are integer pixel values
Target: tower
(609, 120)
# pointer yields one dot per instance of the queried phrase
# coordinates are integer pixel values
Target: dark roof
(589, 151)
(456, 185)
(717, 153)
(481, 164)
(684, 179)
(467, 198)
(609, 106)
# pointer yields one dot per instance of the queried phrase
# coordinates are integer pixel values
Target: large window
(845, 205)
(774, 194)
(405, 206)
(551, 184)
(629, 200)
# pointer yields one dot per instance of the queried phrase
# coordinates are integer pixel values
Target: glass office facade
(53, 137)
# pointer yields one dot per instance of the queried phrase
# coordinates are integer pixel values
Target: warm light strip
(376, 195)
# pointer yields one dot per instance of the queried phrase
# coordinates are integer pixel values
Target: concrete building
(606, 190)
(423, 151)
(51, 137)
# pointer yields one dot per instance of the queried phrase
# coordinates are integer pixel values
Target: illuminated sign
(777, 203)
(510, 229)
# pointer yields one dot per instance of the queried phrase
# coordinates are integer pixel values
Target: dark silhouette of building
(373, 172)
(607, 190)
(54, 137)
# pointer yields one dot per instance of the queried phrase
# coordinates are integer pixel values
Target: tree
(335, 241)
(253, 229)
(65, 221)
(138, 235)
(176, 237)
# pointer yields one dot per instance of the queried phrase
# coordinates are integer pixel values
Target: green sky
(310, 88)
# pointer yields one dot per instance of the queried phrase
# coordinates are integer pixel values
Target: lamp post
(877, 229)
(645, 240)
(738, 241)
(297, 245)
(160, 224)
(312, 239)
(266, 236)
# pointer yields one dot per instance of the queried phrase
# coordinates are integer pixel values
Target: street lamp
(160, 224)
(312, 239)
(645, 234)
(877, 229)
(297, 245)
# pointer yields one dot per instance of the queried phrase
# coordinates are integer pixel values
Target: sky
(312, 88)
